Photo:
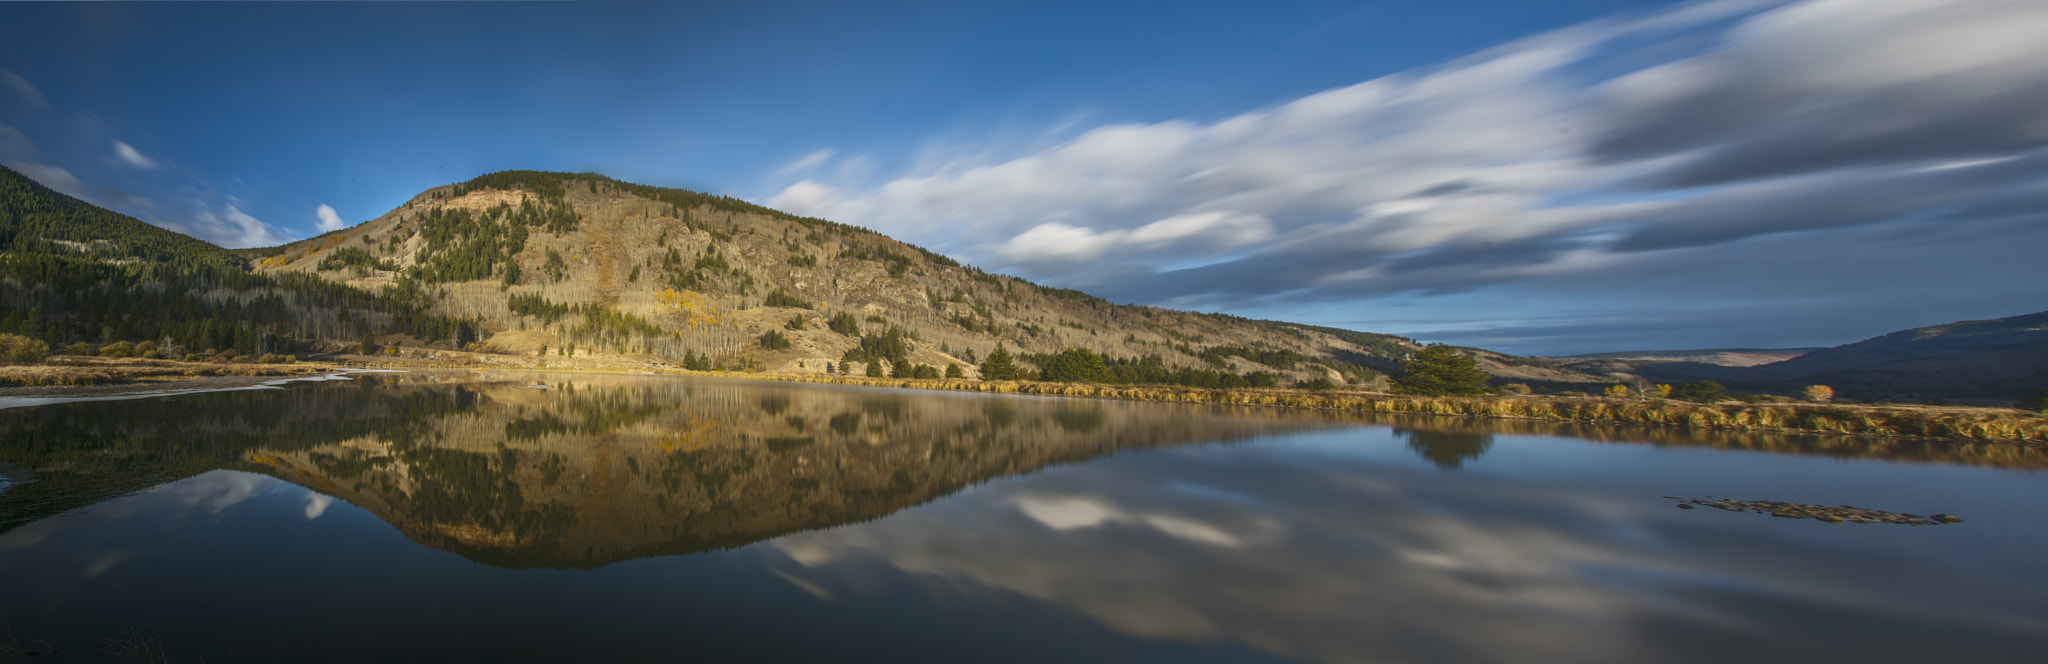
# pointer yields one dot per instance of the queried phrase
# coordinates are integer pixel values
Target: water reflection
(1447, 447)
(595, 470)
(1325, 542)
(1332, 560)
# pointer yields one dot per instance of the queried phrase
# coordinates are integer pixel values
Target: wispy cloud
(329, 219)
(128, 155)
(1564, 158)
(807, 162)
(20, 153)
(25, 90)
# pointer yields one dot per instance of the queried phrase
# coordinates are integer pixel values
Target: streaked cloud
(1573, 157)
(128, 155)
(25, 90)
(807, 162)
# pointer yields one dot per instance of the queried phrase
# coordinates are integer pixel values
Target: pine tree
(1441, 371)
(999, 365)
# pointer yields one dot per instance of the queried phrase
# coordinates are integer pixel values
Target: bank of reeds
(1955, 423)
(118, 372)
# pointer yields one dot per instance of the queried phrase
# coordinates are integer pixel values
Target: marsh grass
(134, 645)
(1952, 423)
(13, 647)
(97, 371)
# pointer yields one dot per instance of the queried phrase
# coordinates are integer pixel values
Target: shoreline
(1968, 424)
(147, 379)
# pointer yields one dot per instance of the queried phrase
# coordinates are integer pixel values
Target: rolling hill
(568, 266)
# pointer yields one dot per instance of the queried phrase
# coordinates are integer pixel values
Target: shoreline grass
(1952, 423)
(1939, 422)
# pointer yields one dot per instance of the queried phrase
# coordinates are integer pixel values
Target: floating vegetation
(1835, 514)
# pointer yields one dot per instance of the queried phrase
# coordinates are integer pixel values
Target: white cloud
(806, 198)
(808, 161)
(127, 154)
(229, 226)
(316, 504)
(1057, 242)
(329, 219)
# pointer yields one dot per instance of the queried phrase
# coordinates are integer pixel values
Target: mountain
(561, 267)
(1997, 360)
(1725, 357)
(71, 272)
(1985, 361)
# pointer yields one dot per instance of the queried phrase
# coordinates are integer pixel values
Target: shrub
(1819, 393)
(81, 349)
(1705, 391)
(117, 349)
(17, 349)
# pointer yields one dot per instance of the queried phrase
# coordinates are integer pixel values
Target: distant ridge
(1727, 357)
(1981, 361)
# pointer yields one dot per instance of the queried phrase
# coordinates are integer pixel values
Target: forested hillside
(73, 273)
(565, 266)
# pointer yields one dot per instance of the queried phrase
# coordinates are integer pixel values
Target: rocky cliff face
(709, 276)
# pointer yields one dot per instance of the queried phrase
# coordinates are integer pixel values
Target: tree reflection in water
(1448, 449)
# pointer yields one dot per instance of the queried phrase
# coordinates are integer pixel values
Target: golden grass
(1972, 424)
(103, 371)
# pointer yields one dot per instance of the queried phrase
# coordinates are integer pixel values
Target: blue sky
(1533, 176)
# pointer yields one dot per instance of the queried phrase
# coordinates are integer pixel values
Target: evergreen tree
(874, 369)
(1077, 365)
(1441, 371)
(999, 365)
(844, 323)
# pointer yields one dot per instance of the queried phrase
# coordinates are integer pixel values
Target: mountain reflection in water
(893, 525)
(597, 470)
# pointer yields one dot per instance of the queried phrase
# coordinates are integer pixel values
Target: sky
(1532, 176)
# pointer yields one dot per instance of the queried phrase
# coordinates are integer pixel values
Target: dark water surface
(453, 517)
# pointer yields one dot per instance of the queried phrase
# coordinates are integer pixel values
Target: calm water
(423, 517)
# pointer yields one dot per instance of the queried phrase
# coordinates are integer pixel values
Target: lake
(481, 517)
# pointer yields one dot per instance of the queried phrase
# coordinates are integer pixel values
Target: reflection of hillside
(609, 468)
(605, 469)
(82, 453)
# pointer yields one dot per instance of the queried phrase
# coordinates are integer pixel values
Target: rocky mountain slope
(581, 265)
